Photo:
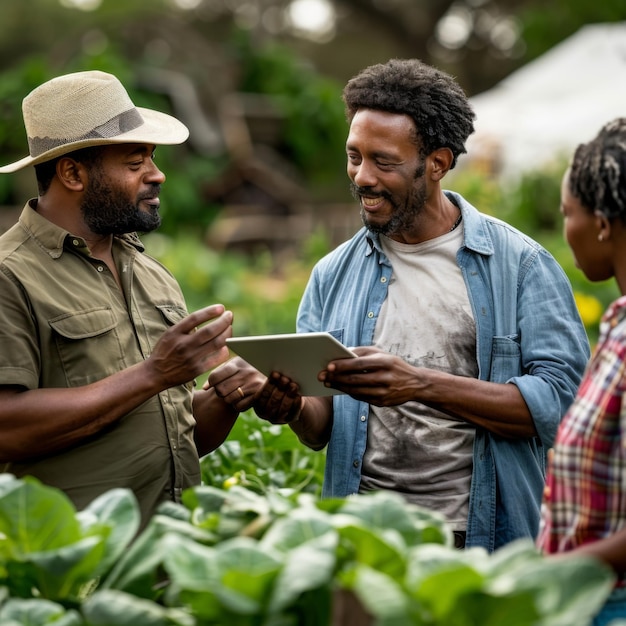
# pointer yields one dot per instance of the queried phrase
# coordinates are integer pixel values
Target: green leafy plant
(240, 558)
(259, 455)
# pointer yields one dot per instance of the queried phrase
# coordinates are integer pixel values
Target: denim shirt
(528, 333)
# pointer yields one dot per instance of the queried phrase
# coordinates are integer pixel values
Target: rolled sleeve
(554, 345)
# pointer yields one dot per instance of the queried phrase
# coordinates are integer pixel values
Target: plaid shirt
(585, 494)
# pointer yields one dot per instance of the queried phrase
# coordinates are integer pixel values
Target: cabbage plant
(235, 557)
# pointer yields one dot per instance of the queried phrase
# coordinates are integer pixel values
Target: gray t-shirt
(426, 320)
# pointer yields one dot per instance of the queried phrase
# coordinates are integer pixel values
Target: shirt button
(100, 268)
(355, 463)
(383, 279)
(76, 242)
(370, 315)
(362, 418)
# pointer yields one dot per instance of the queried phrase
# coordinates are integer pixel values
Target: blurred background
(260, 192)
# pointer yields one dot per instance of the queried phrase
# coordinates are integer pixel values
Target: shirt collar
(53, 238)
(475, 234)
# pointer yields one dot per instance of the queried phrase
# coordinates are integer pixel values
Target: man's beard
(403, 215)
(107, 211)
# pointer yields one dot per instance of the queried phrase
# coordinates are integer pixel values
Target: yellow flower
(589, 307)
(235, 479)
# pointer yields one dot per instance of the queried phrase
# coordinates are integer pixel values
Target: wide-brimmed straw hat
(88, 109)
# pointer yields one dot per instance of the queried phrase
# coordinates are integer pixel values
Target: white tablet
(300, 356)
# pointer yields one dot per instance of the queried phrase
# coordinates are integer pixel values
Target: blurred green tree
(189, 56)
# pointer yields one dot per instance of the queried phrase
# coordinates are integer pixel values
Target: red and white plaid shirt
(585, 495)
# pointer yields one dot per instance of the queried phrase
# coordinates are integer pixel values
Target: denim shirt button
(355, 463)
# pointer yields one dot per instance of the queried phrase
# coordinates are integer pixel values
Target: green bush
(263, 300)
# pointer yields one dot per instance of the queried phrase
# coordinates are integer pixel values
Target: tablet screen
(300, 356)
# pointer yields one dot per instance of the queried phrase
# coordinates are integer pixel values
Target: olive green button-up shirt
(64, 322)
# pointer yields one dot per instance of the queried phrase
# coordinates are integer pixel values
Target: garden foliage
(238, 557)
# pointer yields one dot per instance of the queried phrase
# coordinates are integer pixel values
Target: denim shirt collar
(476, 236)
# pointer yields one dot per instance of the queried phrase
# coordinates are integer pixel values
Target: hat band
(118, 125)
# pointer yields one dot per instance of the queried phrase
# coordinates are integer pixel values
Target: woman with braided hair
(584, 505)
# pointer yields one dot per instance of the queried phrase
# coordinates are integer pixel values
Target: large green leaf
(514, 585)
(116, 608)
(298, 527)
(482, 609)
(189, 565)
(507, 558)
(204, 498)
(449, 588)
(368, 547)
(43, 548)
(138, 570)
(116, 516)
(234, 578)
(307, 568)
(568, 591)
(380, 595)
(247, 574)
(440, 591)
(387, 510)
(195, 577)
(431, 558)
(37, 612)
(34, 517)
(60, 574)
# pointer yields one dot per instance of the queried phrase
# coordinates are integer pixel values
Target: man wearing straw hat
(97, 351)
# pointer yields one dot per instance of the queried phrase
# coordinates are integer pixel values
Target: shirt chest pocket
(171, 313)
(506, 359)
(88, 347)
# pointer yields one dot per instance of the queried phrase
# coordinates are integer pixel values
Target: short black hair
(46, 171)
(437, 104)
(597, 176)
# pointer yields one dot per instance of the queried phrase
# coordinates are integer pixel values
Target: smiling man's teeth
(370, 201)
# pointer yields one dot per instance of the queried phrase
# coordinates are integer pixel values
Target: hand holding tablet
(300, 356)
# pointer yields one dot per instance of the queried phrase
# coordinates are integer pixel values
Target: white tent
(544, 110)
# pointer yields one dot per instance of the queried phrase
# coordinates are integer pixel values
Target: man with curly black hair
(437, 104)
(468, 341)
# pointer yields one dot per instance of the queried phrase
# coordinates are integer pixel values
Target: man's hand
(236, 382)
(279, 400)
(193, 346)
(374, 376)
(276, 399)
(383, 379)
